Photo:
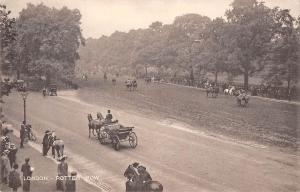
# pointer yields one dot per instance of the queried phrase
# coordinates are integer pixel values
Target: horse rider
(132, 177)
(108, 117)
(131, 170)
(144, 176)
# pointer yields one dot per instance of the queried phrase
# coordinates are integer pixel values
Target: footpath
(45, 169)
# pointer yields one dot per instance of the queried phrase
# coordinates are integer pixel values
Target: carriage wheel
(133, 140)
(116, 143)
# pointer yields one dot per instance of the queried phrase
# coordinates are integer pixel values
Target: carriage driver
(108, 117)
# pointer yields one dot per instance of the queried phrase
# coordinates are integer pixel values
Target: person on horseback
(131, 171)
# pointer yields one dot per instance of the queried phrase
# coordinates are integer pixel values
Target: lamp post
(24, 96)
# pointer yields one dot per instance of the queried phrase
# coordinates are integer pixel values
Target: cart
(115, 134)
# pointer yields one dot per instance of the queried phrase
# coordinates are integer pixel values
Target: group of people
(8, 166)
(50, 140)
(64, 182)
(137, 178)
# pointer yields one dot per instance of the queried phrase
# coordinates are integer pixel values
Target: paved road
(182, 158)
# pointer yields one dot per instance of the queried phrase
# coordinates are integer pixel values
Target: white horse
(229, 91)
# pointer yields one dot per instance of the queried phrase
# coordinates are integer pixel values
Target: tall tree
(48, 40)
(252, 29)
(285, 48)
(7, 35)
(215, 50)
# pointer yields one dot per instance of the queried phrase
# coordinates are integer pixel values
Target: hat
(27, 159)
(73, 173)
(47, 131)
(135, 164)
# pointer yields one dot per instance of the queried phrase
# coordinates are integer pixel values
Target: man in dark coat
(22, 134)
(14, 180)
(71, 182)
(108, 117)
(12, 154)
(27, 173)
(62, 171)
(46, 143)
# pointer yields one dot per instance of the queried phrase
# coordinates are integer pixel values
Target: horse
(242, 99)
(148, 80)
(95, 124)
(213, 90)
(229, 91)
(131, 84)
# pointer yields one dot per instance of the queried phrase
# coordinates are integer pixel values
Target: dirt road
(183, 158)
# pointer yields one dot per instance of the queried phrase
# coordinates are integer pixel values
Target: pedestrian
(46, 143)
(4, 167)
(71, 182)
(12, 154)
(22, 134)
(62, 172)
(59, 147)
(14, 180)
(27, 173)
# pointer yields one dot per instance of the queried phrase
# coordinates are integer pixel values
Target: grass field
(262, 122)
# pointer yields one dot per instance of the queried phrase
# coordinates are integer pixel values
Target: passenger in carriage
(108, 117)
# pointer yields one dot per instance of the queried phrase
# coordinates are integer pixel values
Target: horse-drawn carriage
(115, 134)
(52, 90)
(111, 132)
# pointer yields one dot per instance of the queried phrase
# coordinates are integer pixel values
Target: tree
(48, 40)
(7, 35)
(215, 51)
(252, 29)
(285, 48)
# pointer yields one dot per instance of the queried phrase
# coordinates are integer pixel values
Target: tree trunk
(246, 81)
(18, 74)
(146, 68)
(216, 77)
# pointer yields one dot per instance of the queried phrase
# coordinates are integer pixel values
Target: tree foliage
(47, 40)
(7, 35)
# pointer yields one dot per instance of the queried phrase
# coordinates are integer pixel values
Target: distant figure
(14, 180)
(59, 147)
(4, 167)
(62, 171)
(12, 155)
(22, 134)
(26, 169)
(45, 143)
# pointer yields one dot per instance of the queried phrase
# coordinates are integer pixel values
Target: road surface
(182, 158)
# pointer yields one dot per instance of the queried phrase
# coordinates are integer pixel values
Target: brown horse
(95, 124)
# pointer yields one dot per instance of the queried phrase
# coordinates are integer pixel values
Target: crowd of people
(9, 169)
(9, 173)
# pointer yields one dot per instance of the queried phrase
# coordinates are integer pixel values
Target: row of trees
(42, 41)
(251, 38)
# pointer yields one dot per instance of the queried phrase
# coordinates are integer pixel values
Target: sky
(103, 17)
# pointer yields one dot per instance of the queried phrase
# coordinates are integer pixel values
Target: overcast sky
(103, 17)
